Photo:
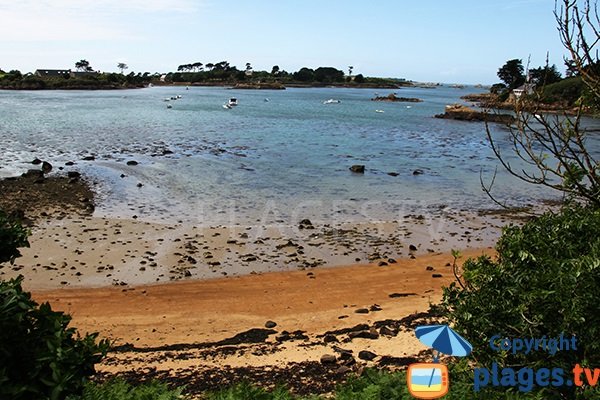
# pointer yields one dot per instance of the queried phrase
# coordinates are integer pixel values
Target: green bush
(246, 391)
(12, 236)
(545, 282)
(40, 357)
(567, 91)
(121, 390)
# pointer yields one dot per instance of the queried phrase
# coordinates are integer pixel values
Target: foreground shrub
(121, 390)
(40, 357)
(12, 236)
(545, 282)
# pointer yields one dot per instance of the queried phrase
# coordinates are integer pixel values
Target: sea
(276, 157)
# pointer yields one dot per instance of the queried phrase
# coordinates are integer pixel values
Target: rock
(393, 173)
(73, 174)
(397, 295)
(36, 161)
(69, 163)
(391, 261)
(418, 172)
(140, 184)
(367, 355)
(362, 311)
(132, 162)
(412, 247)
(436, 275)
(46, 167)
(429, 268)
(270, 324)
(329, 338)
(387, 331)
(393, 98)
(375, 307)
(343, 370)
(33, 174)
(88, 158)
(358, 169)
(328, 359)
(187, 273)
(370, 334)
(464, 113)
(306, 224)
(382, 263)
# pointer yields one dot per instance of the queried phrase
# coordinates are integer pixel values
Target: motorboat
(379, 111)
(233, 102)
(227, 106)
(332, 101)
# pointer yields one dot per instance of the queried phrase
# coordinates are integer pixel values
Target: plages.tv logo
(431, 380)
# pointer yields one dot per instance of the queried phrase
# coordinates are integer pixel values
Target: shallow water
(263, 161)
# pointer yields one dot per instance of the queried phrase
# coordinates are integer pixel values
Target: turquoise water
(261, 161)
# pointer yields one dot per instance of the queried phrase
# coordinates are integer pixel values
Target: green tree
(359, 78)
(83, 65)
(275, 70)
(544, 75)
(511, 73)
(329, 75)
(304, 75)
(122, 67)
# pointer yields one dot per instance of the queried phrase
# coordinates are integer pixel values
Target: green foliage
(511, 73)
(40, 356)
(359, 78)
(121, 390)
(374, 384)
(304, 75)
(246, 391)
(328, 75)
(546, 282)
(544, 75)
(12, 236)
(567, 91)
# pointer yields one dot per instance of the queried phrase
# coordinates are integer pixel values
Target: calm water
(261, 161)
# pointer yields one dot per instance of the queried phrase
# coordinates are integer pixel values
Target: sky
(458, 41)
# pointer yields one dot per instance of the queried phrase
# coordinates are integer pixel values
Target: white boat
(227, 106)
(331, 101)
(232, 102)
(379, 111)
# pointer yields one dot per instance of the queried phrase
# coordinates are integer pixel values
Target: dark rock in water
(306, 224)
(358, 169)
(33, 174)
(418, 172)
(270, 324)
(69, 163)
(36, 161)
(367, 355)
(393, 98)
(328, 359)
(140, 184)
(88, 158)
(46, 167)
(393, 173)
(73, 174)
(132, 162)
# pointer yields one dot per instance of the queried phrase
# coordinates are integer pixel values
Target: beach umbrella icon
(443, 339)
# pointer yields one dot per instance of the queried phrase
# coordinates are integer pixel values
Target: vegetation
(121, 390)
(12, 236)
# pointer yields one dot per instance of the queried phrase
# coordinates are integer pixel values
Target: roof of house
(52, 72)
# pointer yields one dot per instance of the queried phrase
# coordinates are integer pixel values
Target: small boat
(332, 101)
(169, 106)
(227, 106)
(233, 102)
(167, 99)
(379, 111)
(267, 100)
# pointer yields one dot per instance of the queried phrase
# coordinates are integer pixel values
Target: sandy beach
(214, 305)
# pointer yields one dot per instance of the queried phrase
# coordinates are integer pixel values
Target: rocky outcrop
(393, 98)
(260, 86)
(463, 113)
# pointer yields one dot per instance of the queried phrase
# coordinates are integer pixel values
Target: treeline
(16, 80)
(224, 72)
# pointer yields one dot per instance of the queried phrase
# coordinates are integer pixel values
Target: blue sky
(438, 41)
